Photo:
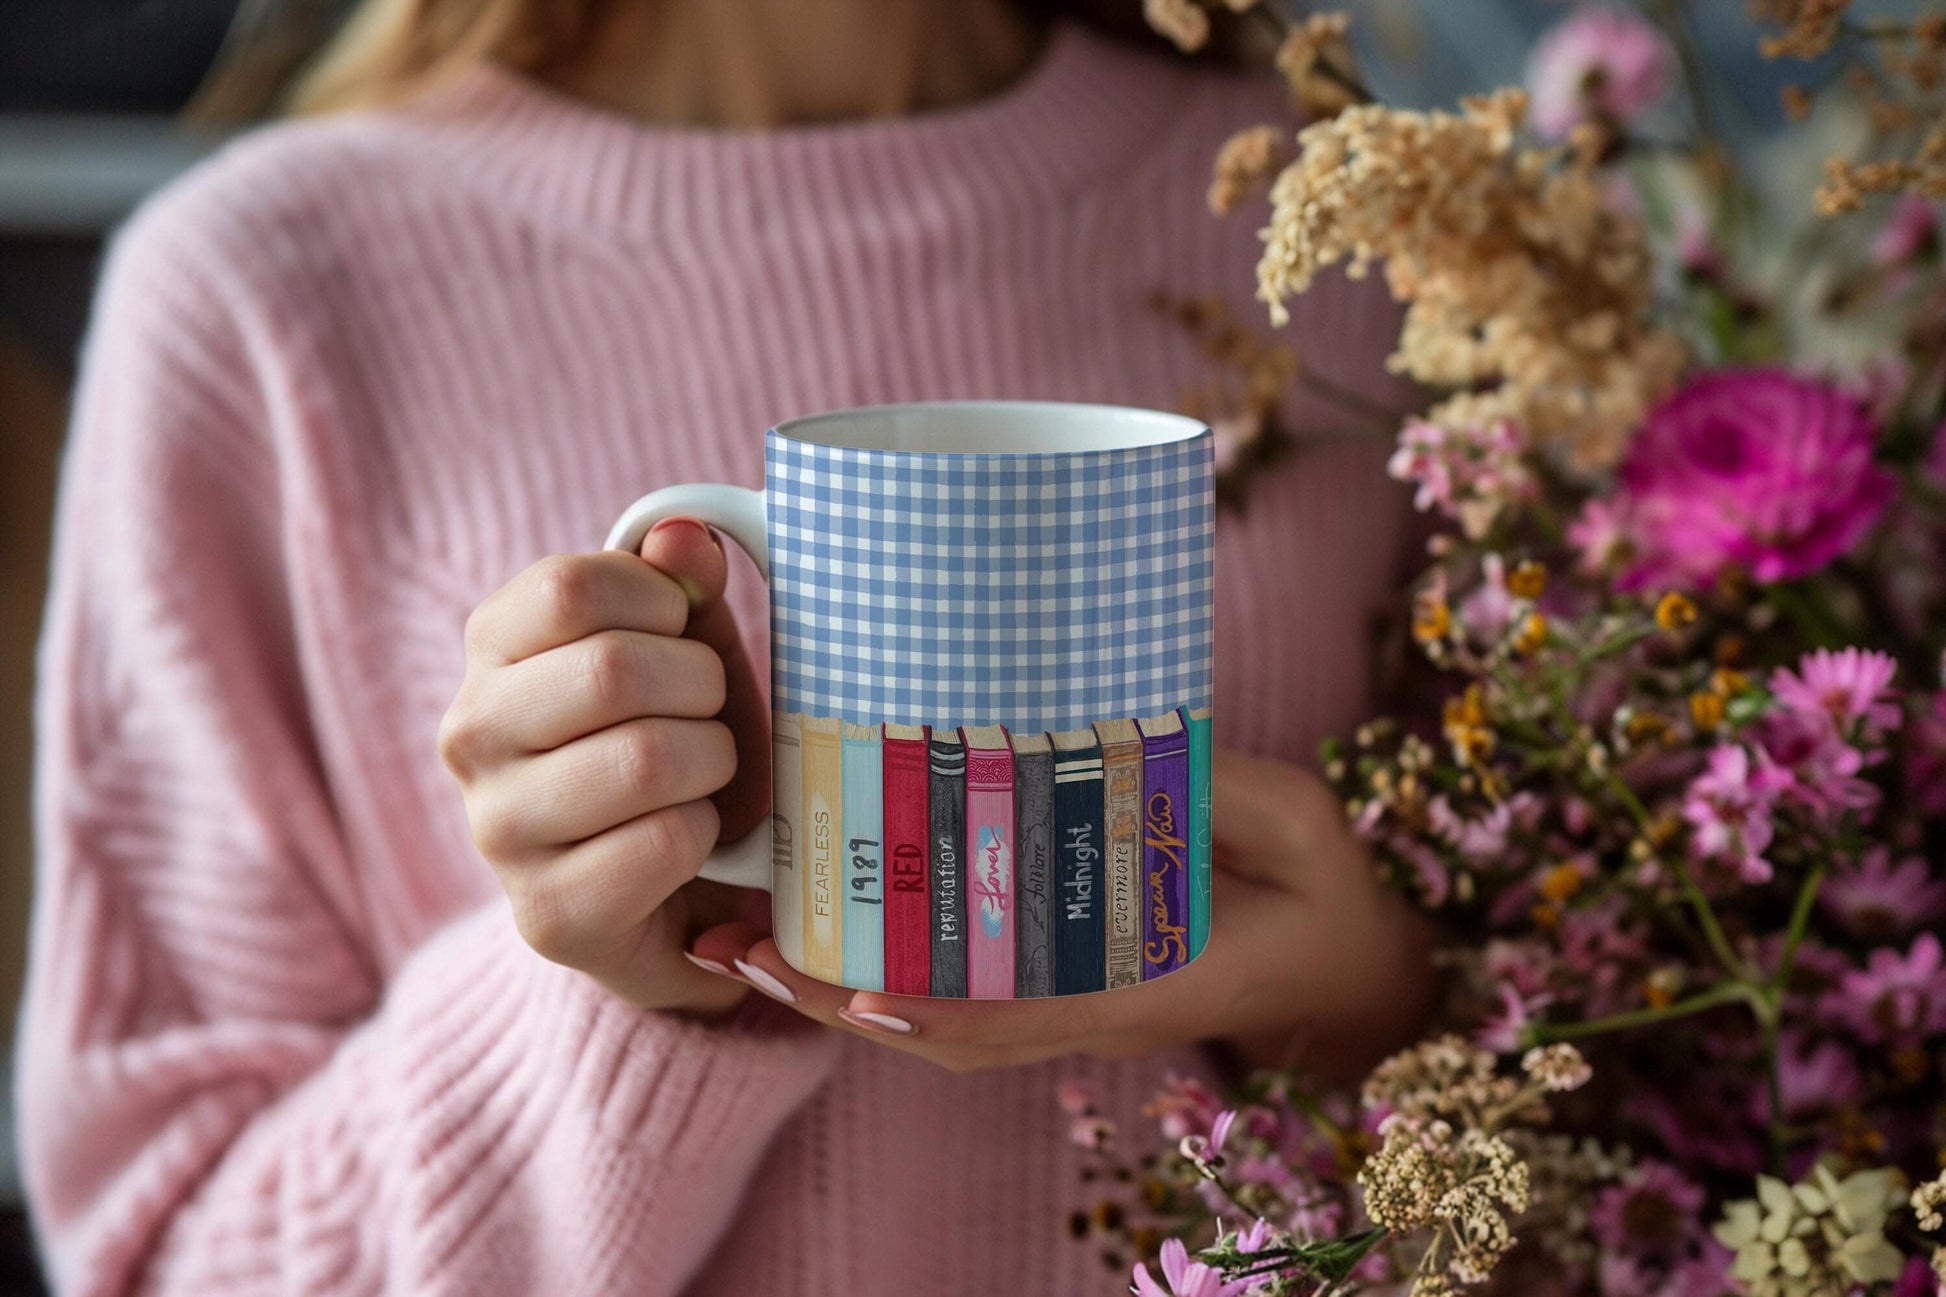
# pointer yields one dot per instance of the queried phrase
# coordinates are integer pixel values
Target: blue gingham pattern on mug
(1031, 591)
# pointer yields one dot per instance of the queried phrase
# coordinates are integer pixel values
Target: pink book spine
(990, 862)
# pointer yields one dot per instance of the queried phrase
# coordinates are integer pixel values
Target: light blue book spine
(864, 889)
(1199, 828)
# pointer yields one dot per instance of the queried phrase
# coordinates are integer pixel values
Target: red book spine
(907, 828)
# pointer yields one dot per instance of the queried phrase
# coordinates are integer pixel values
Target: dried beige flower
(1245, 164)
(1527, 291)
(1317, 64)
(1810, 26)
(1928, 1200)
(1183, 21)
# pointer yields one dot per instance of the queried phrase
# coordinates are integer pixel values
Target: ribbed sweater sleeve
(225, 1093)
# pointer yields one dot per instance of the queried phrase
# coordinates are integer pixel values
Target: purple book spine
(1165, 849)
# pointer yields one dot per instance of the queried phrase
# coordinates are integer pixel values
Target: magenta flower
(1917, 1280)
(1757, 469)
(1184, 1278)
(1729, 808)
(1895, 998)
(1501, 1032)
(1598, 64)
(1849, 686)
(1873, 897)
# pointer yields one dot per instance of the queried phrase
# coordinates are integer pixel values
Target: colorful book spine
(947, 812)
(1199, 830)
(786, 845)
(1121, 758)
(864, 890)
(821, 743)
(1033, 865)
(1165, 845)
(989, 862)
(908, 908)
(1080, 925)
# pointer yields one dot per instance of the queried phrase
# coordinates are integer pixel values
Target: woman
(306, 1018)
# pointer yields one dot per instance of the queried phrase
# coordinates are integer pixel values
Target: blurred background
(92, 101)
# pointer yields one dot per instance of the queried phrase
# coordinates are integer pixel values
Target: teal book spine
(864, 878)
(1199, 828)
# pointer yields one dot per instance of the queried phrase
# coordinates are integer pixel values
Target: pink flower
(1816, 1080)
(1925, 767)
(1596, 64)
(1848, 685)
(1653, 1212)
(1600, 536)
(1872, 897)
(1910, 233)
(1823, 768)
(1754, 468)
(1076, 1095)
(1895, 998)
(1501, 1032)
(1185, 1278)
(1729, 805)
(1184, 1106)
(1468, 474)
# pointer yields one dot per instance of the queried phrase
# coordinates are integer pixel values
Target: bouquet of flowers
(1677, 794)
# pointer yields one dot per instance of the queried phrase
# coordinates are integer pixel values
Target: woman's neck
(767, 63)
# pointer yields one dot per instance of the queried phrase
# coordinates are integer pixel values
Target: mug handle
(738, 512)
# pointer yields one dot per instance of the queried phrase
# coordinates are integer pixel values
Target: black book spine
(1033, 872)
(1080, 915)
(947, 795)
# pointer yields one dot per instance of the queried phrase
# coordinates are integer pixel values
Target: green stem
(1692, 893)
(1807, 896)
(1717, 996)
(1808, 613)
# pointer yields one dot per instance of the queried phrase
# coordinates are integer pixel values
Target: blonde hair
(385, 51)
(389, 49)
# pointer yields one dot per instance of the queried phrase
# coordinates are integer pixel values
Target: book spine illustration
(1165, 845)
(820, 743)
(908, 908)
(1199, 829)
(989, 863)
(1080, 954)
(786, 846)
(864, 890)
(1121, 755)
(947, 849)
(1033, 866)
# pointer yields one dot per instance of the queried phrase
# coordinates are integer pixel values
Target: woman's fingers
(586, 905)
(690, 553)
(1270, 820)
(604, 779)
(600, 680)
(565, 597)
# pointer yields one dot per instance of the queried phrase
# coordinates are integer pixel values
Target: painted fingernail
(766, 983)
(708, 965)
(876, 1021)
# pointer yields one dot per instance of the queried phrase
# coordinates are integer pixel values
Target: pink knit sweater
(352, 375)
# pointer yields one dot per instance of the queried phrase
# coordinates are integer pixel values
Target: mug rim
(1185, 428)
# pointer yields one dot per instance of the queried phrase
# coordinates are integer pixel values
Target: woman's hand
(1310, 959)
(608, 728)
